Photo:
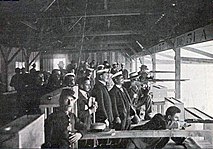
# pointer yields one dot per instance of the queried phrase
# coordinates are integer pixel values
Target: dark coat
(125, 73)
(121, 106)
(83, 114)
(56, 132)
(17, 82)
(158, 122)
(104, 110)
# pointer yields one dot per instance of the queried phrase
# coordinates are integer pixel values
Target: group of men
(118, 95)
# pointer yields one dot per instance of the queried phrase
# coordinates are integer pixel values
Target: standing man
(121, 103)
(18, 85)
(61, 69)
(100, 92)
(89, 73)
(145, 90)
(69, 80)
(114, 68)
(124, 71)
(104, 111)
(121, 106)
(85, 106)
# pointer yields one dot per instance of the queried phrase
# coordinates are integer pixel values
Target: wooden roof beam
(92, 14)
(83, 51)
(198, 51)
(110, 48)
(102, 42)
(108, 33)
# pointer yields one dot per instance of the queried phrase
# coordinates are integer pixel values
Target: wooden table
(146, 133)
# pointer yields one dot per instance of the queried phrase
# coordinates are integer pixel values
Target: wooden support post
(6, 62)
(154, 64)
(177, 73)
(132, 65)
(26, 57)
(41, 61)
(136, 64)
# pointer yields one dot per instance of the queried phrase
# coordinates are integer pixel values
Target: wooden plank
(162, 71)
(199, 113)
(146, 134)
(196, 60)
(198, 51)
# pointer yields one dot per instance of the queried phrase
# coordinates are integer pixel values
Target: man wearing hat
(144, 74)
(121, 105)
(139, 97)
(114, 68)
(69, 80)
(89, 73)
(104, 111)
(143, 68)
(145, 89)
(124, 71)
(100, 92)
(134, 88)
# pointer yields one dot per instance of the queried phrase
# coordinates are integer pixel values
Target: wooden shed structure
(172, 37)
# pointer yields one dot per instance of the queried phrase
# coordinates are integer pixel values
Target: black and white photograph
(134, 74)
